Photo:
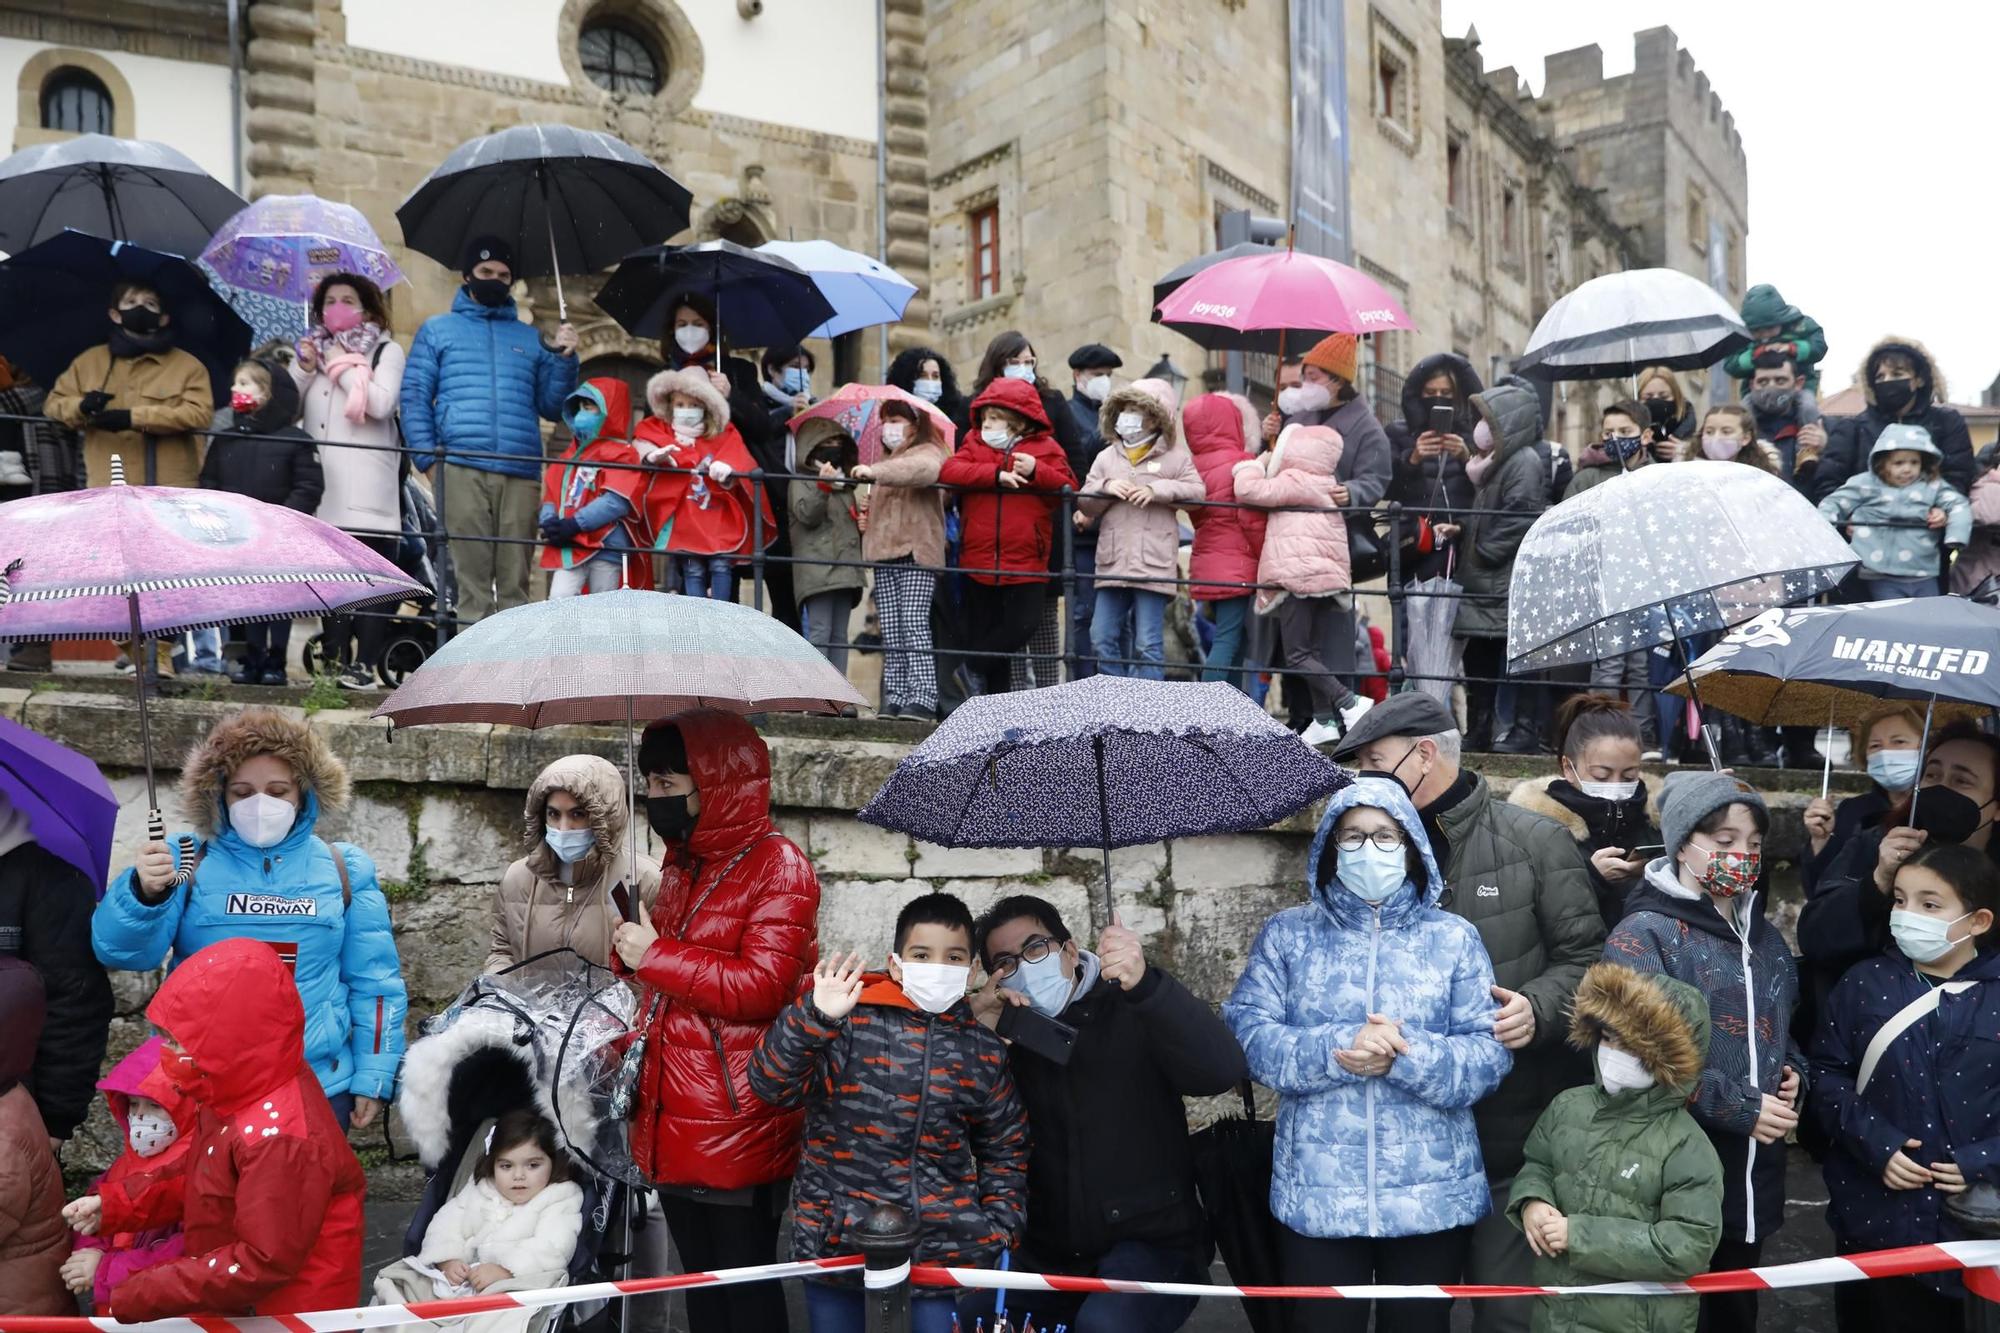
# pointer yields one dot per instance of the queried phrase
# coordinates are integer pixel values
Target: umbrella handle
(156, 829)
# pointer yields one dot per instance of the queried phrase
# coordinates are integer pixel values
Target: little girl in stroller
(514, 1228)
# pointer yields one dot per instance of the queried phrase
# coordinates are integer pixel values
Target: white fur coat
(532, 1240)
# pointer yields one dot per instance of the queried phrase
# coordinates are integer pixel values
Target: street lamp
(1165, 369)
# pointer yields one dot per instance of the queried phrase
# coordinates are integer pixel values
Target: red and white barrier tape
(1978, 1258)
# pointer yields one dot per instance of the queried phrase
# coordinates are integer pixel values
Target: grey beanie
(1692, 797)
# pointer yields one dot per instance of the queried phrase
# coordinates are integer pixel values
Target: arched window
(619, 59)
(75, 101)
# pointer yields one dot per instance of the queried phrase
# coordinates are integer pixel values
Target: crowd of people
(1549, 1037)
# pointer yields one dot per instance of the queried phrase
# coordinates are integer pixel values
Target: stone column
(278, 92)
(907, 114)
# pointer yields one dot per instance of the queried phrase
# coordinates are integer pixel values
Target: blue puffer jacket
(1938, 1083)
(476, 382)
(349, 975)
(1395, 1155)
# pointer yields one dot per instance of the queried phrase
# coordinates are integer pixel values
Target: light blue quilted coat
(1395, 1155)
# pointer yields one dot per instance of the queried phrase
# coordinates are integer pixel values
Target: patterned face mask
(1727, 874)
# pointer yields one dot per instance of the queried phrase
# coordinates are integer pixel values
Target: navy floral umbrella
(1102, 762)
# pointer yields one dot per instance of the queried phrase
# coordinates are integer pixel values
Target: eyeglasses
(1387, 840)
(1035, 950)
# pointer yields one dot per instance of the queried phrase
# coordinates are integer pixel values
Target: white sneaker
(12, 473)
(1353, 711)
(1651, 757)
(1320, 733)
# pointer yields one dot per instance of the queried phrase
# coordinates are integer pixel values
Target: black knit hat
(484, 248)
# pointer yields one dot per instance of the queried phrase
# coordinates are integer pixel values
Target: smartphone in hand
(1049, 1038)
(1441, 420)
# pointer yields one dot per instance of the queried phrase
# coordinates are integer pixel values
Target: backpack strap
(340, 864)
(1900, 1022)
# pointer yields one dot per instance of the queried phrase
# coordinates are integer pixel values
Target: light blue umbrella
(863, 292)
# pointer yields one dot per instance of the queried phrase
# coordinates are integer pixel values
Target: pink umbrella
(131, 562)
(856, 409)
(1281, 290)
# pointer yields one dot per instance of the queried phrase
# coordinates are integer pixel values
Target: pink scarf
(353, 351)
(1476, 466)
(362, 374)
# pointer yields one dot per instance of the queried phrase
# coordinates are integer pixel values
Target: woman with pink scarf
(350, 377)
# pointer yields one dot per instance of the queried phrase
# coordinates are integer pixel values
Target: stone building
(1041, 165)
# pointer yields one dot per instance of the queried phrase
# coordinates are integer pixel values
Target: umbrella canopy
(1821, 665)
(1270, 342)
(618, 655)
(761, 300)
(568, 200)
(282, 245)
(270, 319)
(54, 295)
(863, 292)
(1664, 553)
(126, 189)
(1104, 762)
(856, 409)
(1281, 289)
(70, 807)
(1621, 323)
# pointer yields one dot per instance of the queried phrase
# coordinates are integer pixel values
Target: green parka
(1634, 1174)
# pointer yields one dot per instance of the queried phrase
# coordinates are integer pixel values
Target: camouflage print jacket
(902, 1107)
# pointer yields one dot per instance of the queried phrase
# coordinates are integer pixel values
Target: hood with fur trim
(1221, 422)
(694, 383)
(1934, 390)
(1662, 1021)
(255, 731)
(596, 784)
(1151, 399)
(1534, 796)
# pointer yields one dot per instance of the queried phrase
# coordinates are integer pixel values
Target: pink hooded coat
(142, 1195)
(1305, 540)
(1220, 429)
(1140, 548)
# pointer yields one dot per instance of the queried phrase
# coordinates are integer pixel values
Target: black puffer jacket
(1513, 492)
(1110, 1161)
(267, 457)
(45, 907)
(1596, 824)
(1849, 439)
(1437, 487)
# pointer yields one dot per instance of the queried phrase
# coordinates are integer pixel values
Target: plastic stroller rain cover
(573, 1028)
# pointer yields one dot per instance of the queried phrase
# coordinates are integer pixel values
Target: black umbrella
(54, 297)
(760, 299)
(1232, 1172)
(127, 189)
(1263, 340)
(567, 200)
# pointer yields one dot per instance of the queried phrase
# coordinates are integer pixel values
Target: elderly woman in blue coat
(253, 792)
(1369, 1009)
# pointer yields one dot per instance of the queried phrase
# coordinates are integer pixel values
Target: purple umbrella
(68, 803)
(282, 245)
(1102, 762)
(132, 562)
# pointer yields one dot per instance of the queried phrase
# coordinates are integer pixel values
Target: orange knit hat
(1336, 354)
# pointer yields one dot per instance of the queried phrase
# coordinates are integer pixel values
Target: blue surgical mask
(1923, 939)
(1895, 770)
(569, 844)
(585, 422)
(1019, 372)
(796, 380)
(1623, 449)
(1043, 982)
(1372, 873)
(928, 390)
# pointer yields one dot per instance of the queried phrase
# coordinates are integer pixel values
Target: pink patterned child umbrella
(282, 245)
(857, 410)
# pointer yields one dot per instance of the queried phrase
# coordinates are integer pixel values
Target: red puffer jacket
(1219, 428)
(1006, 528)
(274, 1194)
(738, 915)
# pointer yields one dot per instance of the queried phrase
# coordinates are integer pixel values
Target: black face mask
(668, 816)
(139, 319)
(1432, 404)
(488, 292)
(1661, 410)
(1892, 396)
(1946, 815)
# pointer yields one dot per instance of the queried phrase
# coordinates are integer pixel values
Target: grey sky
(1869, 130)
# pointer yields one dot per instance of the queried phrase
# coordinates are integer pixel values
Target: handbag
(1365, 559)
(1232, 1172)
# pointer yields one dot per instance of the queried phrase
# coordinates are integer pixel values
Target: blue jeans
(712, 576)
(1227, 651)
(1148, 612)
(1105, 1312)
(1882, 590)
(831, 1309)
(1083, 608)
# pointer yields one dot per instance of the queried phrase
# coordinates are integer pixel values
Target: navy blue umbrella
(129, 189)
(760, 299)
(54, 299)
(1102, 762)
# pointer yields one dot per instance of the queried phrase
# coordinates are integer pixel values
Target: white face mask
(935, 987)
(1097, 388)
(1923, 939)
(1609, 791)
(1014, 372)
(1721, 448)
(1304, 398)
(149, 1134)
(1621, 1071)
(1131, 427)
(261, 820)
(690, 338)
(893, 433)
(689, 420)
(998, 437)
(929, 390)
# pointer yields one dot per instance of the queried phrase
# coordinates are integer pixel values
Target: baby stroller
(549, 1034)
(412, 633)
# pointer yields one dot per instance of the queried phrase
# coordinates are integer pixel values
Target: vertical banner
(1319, 203)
